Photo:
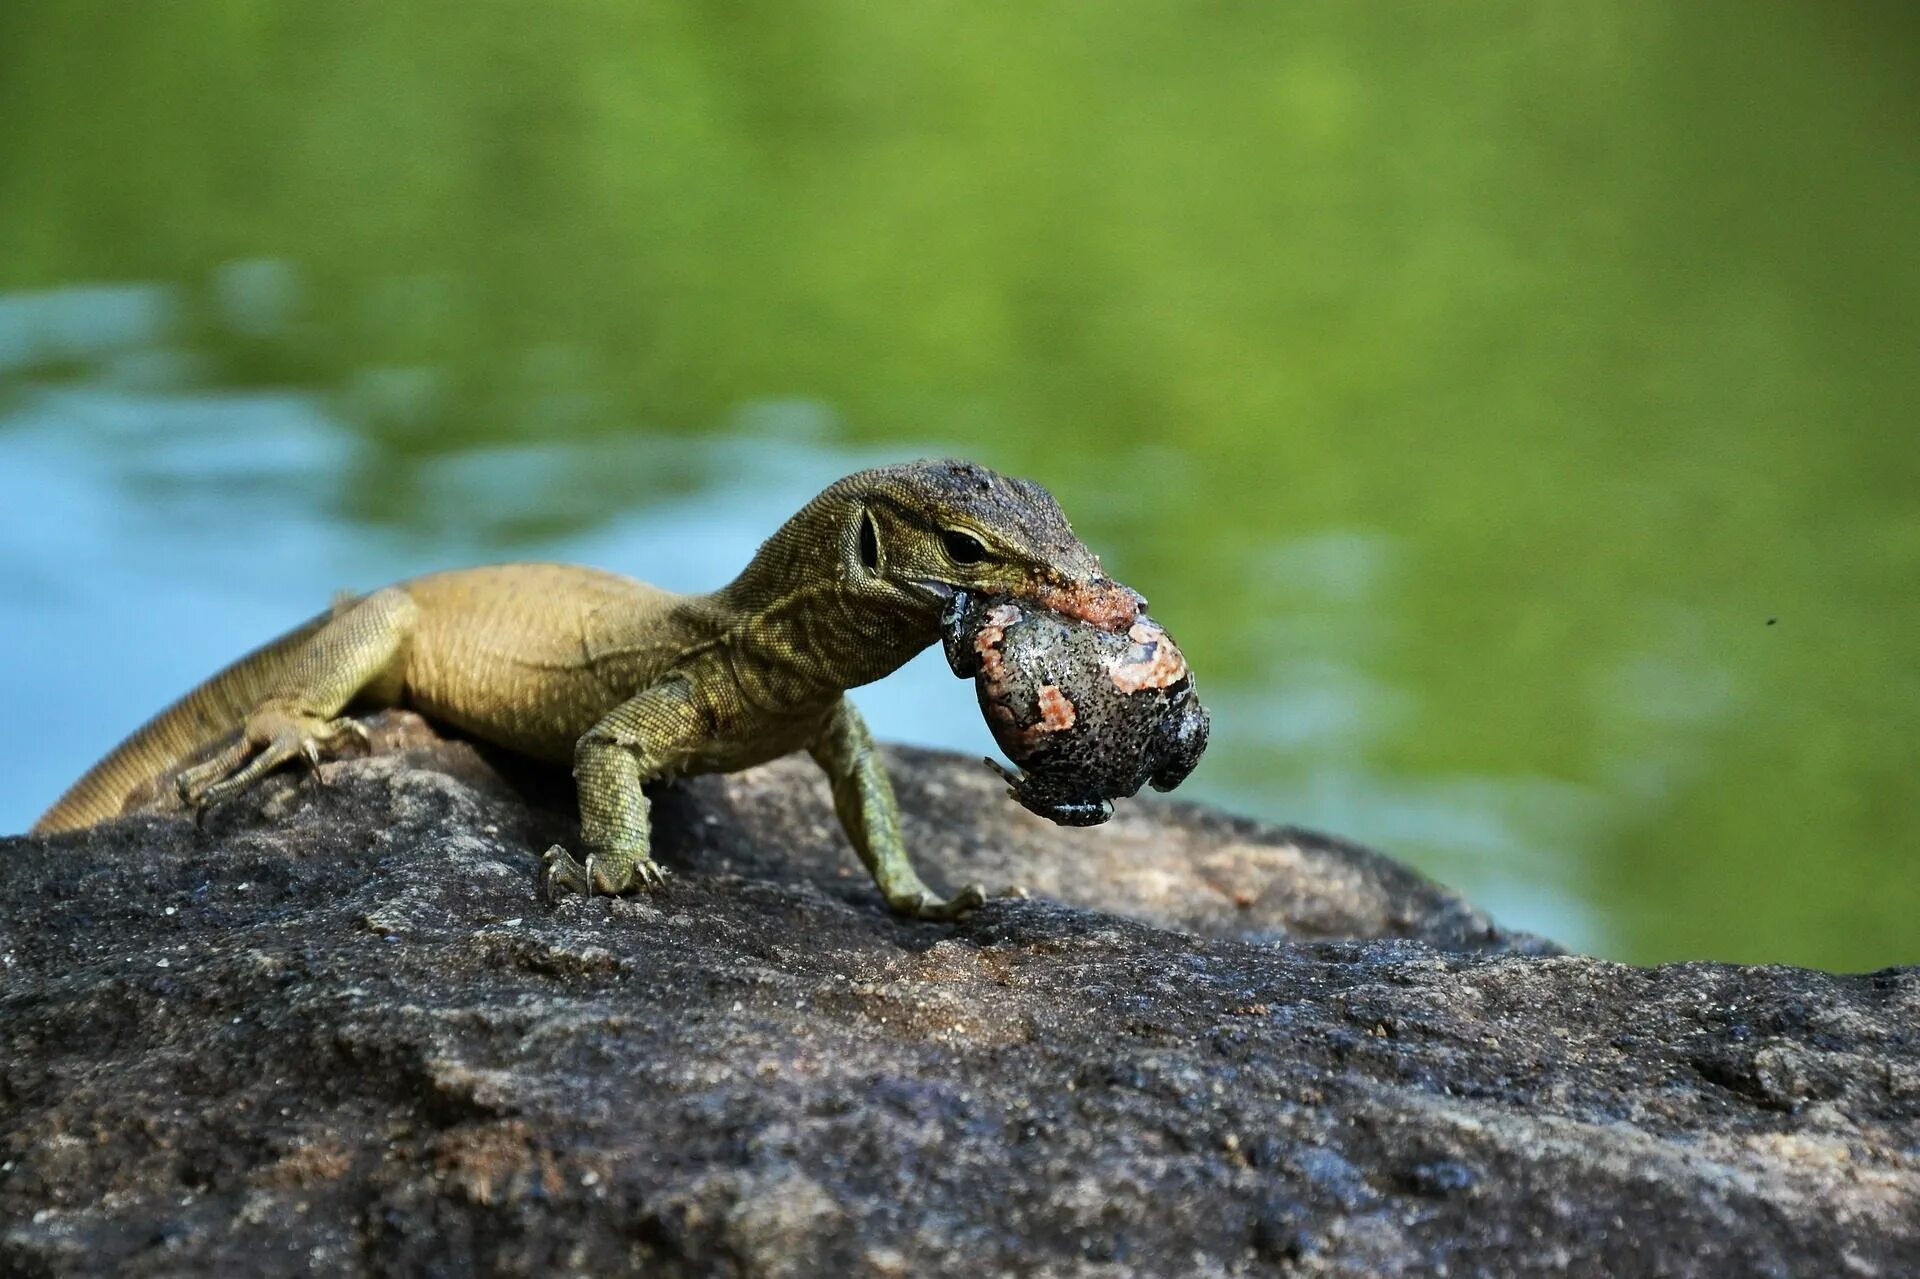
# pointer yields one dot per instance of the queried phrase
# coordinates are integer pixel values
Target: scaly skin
(634, 684)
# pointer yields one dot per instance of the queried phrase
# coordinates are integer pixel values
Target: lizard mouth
(939, 590)
(1100, 602)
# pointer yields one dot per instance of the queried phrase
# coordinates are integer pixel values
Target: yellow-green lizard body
(633, 684)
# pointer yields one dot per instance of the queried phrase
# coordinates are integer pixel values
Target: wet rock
(349, 1037)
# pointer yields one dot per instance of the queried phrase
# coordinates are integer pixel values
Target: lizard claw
(355, 729)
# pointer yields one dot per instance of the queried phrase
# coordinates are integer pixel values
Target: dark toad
(1089, 715)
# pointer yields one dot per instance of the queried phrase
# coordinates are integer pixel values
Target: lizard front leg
(863, 797)
(643, 738)
(300, 715)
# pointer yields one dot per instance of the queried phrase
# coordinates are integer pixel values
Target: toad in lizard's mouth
(1101, 602)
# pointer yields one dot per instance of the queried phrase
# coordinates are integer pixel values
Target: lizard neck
(804, 614)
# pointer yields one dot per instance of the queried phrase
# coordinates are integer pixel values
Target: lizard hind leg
(359, 650)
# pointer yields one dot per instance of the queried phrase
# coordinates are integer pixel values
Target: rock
(335, 1029)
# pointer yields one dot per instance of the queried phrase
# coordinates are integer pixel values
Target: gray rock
(334, 1029)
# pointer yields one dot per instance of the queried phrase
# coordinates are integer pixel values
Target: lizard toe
(607, 871)
(272, 755)
(927, 906)
(192, 784)
(562, 874)
(346, 728)
(615, 871)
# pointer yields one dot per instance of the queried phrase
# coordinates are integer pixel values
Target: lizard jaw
(1101, 602)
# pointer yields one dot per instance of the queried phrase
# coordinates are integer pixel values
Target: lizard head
(920, 532)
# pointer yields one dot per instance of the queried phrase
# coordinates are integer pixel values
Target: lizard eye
(962, 548)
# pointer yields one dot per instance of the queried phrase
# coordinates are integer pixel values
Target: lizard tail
(205, 716)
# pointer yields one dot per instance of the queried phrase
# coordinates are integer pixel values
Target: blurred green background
(1510, 407)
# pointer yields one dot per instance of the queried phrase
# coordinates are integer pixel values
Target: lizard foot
(924, 904)
(270, 739)
(609, 870)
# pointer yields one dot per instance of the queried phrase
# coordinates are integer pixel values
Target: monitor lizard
(633, 684)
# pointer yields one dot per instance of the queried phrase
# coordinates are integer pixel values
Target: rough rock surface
(335, 1030)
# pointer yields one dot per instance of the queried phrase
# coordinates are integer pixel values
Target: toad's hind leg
(360, 650)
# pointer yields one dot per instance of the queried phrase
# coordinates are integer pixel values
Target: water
(1511, 413)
